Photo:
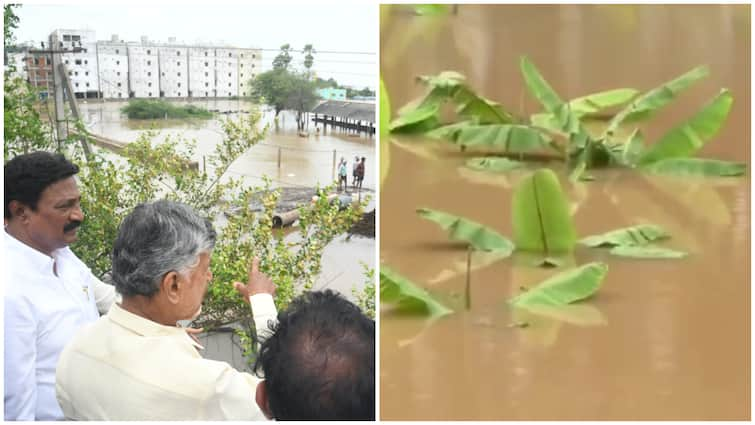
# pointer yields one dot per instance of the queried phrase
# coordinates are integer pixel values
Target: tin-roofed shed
(349, 115)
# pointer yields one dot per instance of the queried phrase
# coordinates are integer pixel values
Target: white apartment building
(227, 72)
(250, 62)
(143, 71)
(174, 67)
(202, 72)
(82, 67)
(112, 59)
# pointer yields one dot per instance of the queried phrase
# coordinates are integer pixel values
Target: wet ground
(663, 339)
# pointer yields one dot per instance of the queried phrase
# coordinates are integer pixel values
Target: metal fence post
(334, 164)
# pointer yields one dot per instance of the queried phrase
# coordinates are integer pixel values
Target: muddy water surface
(664, 339)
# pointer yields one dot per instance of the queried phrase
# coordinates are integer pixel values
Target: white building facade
(202, 72)
(82, 66)
(173, 65)
(116, 69)
(143, 71)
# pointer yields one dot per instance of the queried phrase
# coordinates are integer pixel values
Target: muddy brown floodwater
(663, 339)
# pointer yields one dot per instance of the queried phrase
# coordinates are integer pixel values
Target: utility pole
(57, 79)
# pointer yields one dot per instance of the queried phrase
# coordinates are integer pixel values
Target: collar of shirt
(34, 258)
(146, 327)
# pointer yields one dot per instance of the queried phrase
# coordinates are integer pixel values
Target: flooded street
(663, 339)
(305, 162)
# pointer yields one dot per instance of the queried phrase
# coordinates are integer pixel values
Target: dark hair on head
(28, 175)
(319, 362)
(155, 239)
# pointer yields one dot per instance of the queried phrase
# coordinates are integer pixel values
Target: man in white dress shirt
(48, 292)
(134, 363)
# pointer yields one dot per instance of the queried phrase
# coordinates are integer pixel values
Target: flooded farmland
(663, 339)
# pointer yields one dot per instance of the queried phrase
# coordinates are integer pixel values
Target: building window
(242, 75)
(229, 74)
(149, 52)
(206, 74)
(119, 84)
(163, 74)
(207, 84)
(229, 94)
(66, 62)
(229, 84)
(178, 94)
(242, 55)
(70, 73)
(254, 56)
(117, 62)
(205, 53)
(252, 65)
(117, 51)
(206, 64)
(77, 84)
(243, 94)
(206, 93)
(178, 63)
(149, 84)
(178, 53)
(241, 65)
(76, 73)
(118, 73)
(149, 94)
(86, 62)
(179, 84)
(149, 74)
(78, 62)
(75, 38)
(66, 37)
(229, 55)
(149, 63)
(179, 74)
(241, 84)
(87, 84)
(86, 73)
(120, 94)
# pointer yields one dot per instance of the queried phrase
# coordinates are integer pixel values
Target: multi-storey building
(112, 60)
(227, 72)
(38, 69)
(82, 66)
(143, 71)
(202, 72)
(173, 66)
(116, 69)
(250, 62)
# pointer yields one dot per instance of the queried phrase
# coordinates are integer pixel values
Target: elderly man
(49, 293)
(319, 362)
(134, 363)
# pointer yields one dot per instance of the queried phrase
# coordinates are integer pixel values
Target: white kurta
(43, 311)
(126, 367)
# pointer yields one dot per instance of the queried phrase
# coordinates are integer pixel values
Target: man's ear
(261, 399)
(171, 287)
(18, 209)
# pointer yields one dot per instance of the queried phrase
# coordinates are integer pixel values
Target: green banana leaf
(641, 234)
(447, 80)
(633, 148)
(690, 136)
(460, 229)
(695, 167)
(432, 9)
(538, 87)
(482, 110)
(646, 105)
(507, 137)
(598, 102)
(647, 251)
(565, 287)
(540, 214)
(496, 165)
(385, 117)
(591, 104)
(451, 131)
(406, 296)
(419, 120)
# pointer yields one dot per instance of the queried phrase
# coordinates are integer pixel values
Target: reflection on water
(663, 339)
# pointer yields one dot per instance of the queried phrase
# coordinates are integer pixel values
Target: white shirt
(42, 313)
(126, 367)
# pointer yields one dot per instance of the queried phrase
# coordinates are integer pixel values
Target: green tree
(24, 130)
(302, 98)
(283, 59)
(273, 88)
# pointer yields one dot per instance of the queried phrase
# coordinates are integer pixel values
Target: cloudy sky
(347, 32)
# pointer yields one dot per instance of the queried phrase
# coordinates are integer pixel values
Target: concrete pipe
(285, 219)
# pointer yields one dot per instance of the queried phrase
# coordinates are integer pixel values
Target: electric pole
(57, 81)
